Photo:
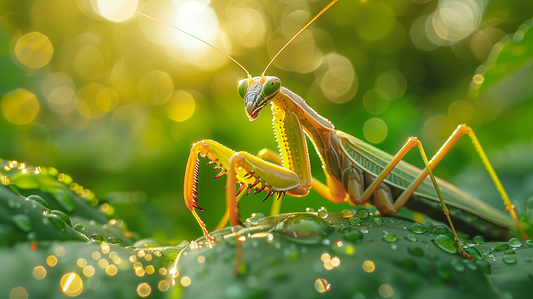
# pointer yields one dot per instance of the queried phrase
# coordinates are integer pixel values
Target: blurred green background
(116, 100)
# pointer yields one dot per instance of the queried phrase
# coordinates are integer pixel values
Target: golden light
(34, 50)
(368, 266)
(105, 247)
(88, 271)
(201, 259)
(460, 112)
(181, 106)
(20, 106)
(133, 258)
(385, 290)
(163, 285)
(71, 284)
(156, 87)
(39, 272)
(103, 263)
(118, 10)
(150, 269)
(51, 260)
(163, 271)
(140, 272)
(59, 90)
(185, 281)
(96, 255)
(375, 101)
(144, 289)
(325, 257)
(59, 250)
(339, 83)
(321, 285)
(249, 26)
(375, 130)
(81, 262)
(393, 84)
(89, 63)
(111, 270)
(18, 293)
(148, 257)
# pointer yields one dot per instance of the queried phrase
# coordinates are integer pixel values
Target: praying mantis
(355, 171)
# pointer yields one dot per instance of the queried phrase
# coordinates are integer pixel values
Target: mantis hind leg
(456, 135)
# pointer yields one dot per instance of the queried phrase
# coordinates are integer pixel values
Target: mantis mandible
(356, 172)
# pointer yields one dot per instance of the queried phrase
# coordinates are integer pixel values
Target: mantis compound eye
(241, 88)
(271, 87)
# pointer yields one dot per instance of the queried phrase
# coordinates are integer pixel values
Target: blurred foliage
(118, 104)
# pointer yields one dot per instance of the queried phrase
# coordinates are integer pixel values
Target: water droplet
(362, 213)
(23, 222)
(443, 271)
(529, 242)
(309, 210)
(46, 221)
(344, 229)
(502, 246)
(416, 251)
(97, 237)
(303, 228)
(473, 253)
(364, 230)
(58, 222)
(11, 203)
(353, 236)
(326, 242)
(347, 213)
(457, 265)
(446, 243)
(411, 237)
(377, 221)
(39, 200)
(390, 238)
(478, 239)
(115, 240)
(79, 226)
(252, 221)
(509, 259)
(65, 200)
(484, 266)
(32, 236)
(258, 215)
(469, 264)
(171, 252)
(62, 216)
(418, 228)
(440, 230)
(393, 246)
(355, 220)
(515, 242)
(322, 212)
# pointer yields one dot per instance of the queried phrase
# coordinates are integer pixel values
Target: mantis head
(257, 93)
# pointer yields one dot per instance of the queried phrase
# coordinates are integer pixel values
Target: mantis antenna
(189, 34)
(299, 32)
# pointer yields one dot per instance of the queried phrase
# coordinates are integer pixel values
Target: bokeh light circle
(20, 106)
(375, 130)
(34, 50)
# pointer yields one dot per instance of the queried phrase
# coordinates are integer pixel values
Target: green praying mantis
(356, 172)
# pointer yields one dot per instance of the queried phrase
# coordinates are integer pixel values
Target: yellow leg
(456, 135)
